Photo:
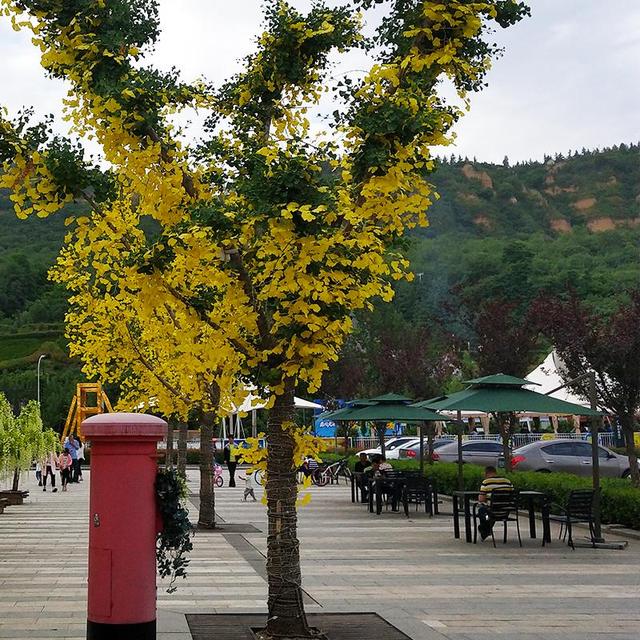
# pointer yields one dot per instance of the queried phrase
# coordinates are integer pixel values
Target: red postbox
(122, 525)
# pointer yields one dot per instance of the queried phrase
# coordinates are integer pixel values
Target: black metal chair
(579, 509)
(392, 488)
(416, 490)
(502, 507)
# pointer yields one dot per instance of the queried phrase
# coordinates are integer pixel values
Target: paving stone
(409, 571)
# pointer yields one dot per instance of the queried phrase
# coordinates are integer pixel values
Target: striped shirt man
(492, 481)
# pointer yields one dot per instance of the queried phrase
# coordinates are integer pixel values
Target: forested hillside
(497, 231)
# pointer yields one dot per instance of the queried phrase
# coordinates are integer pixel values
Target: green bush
(330, 458)
(620, 502)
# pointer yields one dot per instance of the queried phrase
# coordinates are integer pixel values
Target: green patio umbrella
(336, 413)
(501, 393)
(391, 412)
(386, 408)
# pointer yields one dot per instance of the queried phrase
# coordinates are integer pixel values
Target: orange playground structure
(82, 406)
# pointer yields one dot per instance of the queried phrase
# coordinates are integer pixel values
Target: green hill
(599, 191)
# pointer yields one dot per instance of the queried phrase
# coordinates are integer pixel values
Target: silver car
(568, 456)
(483, 452)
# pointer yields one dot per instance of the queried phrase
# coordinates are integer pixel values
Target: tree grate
(336, 626)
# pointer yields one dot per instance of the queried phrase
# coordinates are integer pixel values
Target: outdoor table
(465, 496)
(530, 498)
(375, 487)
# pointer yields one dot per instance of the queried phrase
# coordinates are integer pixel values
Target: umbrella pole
(460, 474)
(595, 460)
(421, 447)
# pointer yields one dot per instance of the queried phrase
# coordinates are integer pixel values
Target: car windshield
(397, 443)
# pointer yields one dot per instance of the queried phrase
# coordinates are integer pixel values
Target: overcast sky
(570, 76)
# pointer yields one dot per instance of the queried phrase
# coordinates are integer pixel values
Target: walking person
(49, 468)
(80, 458)
(72, 445)
(230, 460)
(65, 463)
(248, 490)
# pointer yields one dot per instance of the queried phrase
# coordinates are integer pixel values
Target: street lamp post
(39, 361)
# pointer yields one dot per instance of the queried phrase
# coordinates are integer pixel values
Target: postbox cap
(134, 425)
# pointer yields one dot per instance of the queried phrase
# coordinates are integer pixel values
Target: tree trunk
(287, 618)
(182, 449)
(381, 430)
(16, 480)
(504, 424)
(207, 515)
(431, 432)
(168, 455)
(630, 445)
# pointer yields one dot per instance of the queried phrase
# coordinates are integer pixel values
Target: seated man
(359, 468)
(362, 463)
(378, 465)
(491, 481)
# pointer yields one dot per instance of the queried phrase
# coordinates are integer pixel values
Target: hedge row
(620, 502)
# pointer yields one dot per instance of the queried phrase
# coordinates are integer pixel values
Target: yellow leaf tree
(265, 236)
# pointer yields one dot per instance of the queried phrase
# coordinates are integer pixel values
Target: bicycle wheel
(219, 481)
(320, 477)
(259, 477)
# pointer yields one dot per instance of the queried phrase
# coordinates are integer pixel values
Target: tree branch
(242, 347)
(143, 360)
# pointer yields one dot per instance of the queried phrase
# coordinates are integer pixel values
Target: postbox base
(103, 631)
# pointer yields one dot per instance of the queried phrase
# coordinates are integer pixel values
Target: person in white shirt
(49, 467)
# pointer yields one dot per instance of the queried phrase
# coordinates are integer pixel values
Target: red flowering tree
(608, 345)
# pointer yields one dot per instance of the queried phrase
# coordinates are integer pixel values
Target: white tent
(547, 376)
(252, 402)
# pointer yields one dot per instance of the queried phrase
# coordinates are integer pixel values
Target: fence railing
(606, 439)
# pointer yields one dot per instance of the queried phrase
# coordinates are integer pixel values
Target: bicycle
(217, 476)
(324, 475)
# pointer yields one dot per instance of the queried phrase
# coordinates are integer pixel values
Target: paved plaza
(412, 572)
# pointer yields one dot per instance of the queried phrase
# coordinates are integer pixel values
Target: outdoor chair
(502, 507)
(417, 489)
(579, 509)
(392, 488)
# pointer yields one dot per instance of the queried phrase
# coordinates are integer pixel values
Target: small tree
(607, 345)
(22, 439)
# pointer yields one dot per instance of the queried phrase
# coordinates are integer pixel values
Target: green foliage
(174, 541)
(23, 438)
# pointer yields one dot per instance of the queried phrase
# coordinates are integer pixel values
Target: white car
(392, 447)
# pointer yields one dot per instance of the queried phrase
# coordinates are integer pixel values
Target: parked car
(569, 456)
(483, 452)
(411, 451)
(390, 445)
